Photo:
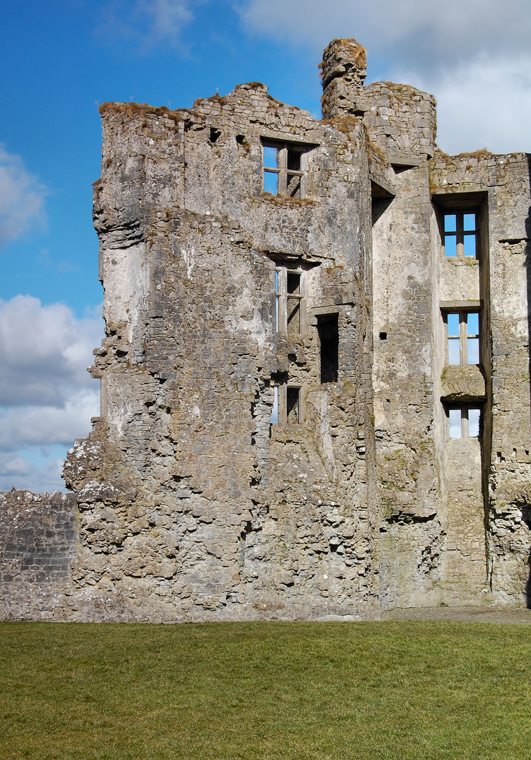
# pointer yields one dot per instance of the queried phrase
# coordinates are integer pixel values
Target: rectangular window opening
(293, 186)
(449, 223)
(327, 326)
(270, 183)
(289, 300)
(455, 423)
(472, 346)
(294, 160)
(454, 351)
(450, 246)
(469, 222)
(270, 157)
(274, 412)
(294, 316)
(453, 325)
(277, 296)
(292, 405)
(294, 283)
(473, 423)
(472, 323)
(293, 288)
(469, 245)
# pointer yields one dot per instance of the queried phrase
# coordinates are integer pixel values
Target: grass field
(265, 690)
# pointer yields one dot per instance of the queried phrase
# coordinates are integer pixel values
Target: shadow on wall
(526, 517)
(528, 275)
(526, 511)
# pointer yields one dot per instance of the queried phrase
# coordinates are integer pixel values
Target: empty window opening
(293, 298)
(274, 412)
(289, 300)
(460, 235)
(270, 170)
(278, 298)
(327, 326)
(215, 134)
(383, 336)
(292, 405)
(270, 158)
(287, 403)
(283, 169)
(464, 422)
(462, 337)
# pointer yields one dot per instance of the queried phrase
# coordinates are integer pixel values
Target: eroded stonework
(315, 380)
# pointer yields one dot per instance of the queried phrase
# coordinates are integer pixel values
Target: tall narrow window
(271, 170)
(278, 296)
(274, 411)
(462, 337)
(327, 327)
(454, 339)
(292, 405)
(293, 298)
(283, 169)
(460, 235)
(472, 338)
(289, 300)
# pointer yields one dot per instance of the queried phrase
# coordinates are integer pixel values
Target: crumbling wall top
(343, 70)
(344, 58)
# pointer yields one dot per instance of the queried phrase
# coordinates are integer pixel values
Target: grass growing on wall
(259, 691)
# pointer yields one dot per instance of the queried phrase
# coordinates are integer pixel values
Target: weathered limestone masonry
(38, 538)
(315, 380)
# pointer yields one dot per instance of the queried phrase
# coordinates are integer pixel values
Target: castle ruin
(315, 395)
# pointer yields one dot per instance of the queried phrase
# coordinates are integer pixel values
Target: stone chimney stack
(343, 70)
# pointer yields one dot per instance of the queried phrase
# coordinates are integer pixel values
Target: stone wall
(38, 542)
(231, 516)
(501, 185)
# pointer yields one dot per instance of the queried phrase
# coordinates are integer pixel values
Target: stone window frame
(298, 301)
(291, 165)
(281, 391)
(459, 204)
(464, 410)
(463, 337)
(290, 305)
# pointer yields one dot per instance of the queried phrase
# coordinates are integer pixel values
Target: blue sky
(60, 58)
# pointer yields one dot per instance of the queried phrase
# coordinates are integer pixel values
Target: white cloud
(483, 104)
(46, 396)
(17, 472)
(166, 17)
(21, 198)
(147, 22)
(473, 55)
(417, 30)
(44, 426)
(44, 351)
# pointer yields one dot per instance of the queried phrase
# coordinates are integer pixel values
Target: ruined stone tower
(315, 380)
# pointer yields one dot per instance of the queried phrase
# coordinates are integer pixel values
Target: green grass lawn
(265, 690)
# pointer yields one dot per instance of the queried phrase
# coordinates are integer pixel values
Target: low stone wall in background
(38, 539)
